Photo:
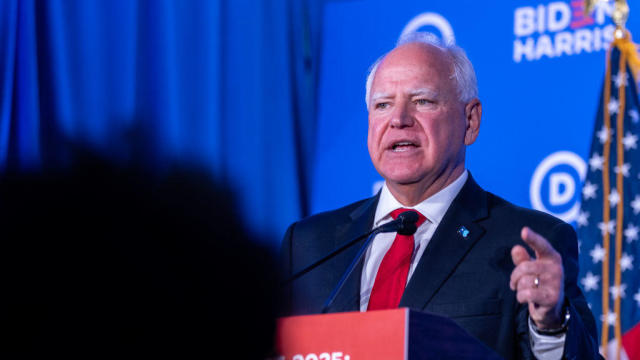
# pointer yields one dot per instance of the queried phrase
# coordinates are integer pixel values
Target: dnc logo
(556, 183)
(429, 19)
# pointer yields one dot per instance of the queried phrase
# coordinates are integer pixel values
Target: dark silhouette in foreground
(102, 260)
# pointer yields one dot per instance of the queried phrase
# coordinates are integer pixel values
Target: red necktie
(391, 278)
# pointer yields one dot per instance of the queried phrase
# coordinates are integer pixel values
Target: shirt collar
(433, 208)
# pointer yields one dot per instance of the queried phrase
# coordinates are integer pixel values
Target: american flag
(609, 218)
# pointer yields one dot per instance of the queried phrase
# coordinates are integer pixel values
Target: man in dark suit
(468, 259)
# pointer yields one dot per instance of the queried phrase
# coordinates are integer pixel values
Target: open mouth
(402, 146)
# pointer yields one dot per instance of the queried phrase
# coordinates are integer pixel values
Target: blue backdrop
(225, 85)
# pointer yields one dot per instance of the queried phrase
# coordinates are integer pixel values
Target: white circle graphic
(431, 19)
(551, 161)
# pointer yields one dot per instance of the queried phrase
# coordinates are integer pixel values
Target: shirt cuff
(546, 347)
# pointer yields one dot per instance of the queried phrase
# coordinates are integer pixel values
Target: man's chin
(403, 181)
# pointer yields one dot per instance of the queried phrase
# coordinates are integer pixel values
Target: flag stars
(614, 198)
(603, 135)
(583, 218)
(633, 114)
(635, 204)
(636, 297)
(629, 141)
(590, 281)
(624, 169)
(589, 190)
(596, 161)
(598, 253)
(613, 106)
(631, 233)
(618, 291)
(610, 319)
(626, 262)
(621, 79)
(607, 228)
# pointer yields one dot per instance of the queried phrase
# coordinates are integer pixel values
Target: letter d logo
(554, 184)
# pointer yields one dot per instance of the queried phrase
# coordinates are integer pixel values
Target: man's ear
(473, 115)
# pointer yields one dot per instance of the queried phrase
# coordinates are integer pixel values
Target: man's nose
(401, 117)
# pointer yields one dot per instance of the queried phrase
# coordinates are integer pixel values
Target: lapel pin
(463, 231)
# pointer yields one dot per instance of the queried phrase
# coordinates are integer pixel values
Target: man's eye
(382, 105)
(422, 101)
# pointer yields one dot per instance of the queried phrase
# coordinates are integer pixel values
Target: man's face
(417, 125)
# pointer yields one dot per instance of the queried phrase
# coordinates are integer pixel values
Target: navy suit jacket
(463, 278)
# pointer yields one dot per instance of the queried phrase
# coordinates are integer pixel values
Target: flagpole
(620, 16)
(606, 217)
(620, 206)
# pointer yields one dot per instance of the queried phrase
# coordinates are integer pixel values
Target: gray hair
(463, 71)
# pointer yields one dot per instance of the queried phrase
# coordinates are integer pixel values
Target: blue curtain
(225, 85)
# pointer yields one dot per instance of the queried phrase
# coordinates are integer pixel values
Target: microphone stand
(327, 257)
(392, 226)
(406, 226)
(348, 272)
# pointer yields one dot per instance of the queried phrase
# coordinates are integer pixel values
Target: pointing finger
(538, 243)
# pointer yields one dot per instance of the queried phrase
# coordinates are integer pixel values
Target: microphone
(405, 224)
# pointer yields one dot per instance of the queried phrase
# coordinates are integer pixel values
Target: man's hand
(539, 281)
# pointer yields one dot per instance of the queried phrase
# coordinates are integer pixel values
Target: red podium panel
(375, 335)
(398, 334)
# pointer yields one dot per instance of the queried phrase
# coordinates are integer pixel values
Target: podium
(398, 334)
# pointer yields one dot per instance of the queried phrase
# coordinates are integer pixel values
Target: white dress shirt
(433, 208)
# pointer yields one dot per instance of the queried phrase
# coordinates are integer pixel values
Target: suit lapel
(360, 222)
(448, 246)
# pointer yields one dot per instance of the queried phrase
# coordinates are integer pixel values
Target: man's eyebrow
(423, 91)
(379, 95)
